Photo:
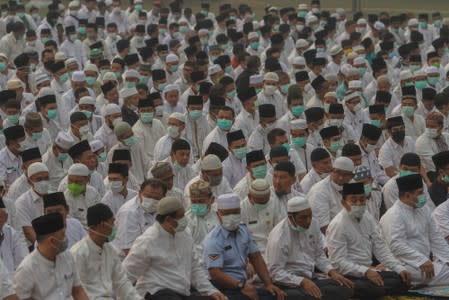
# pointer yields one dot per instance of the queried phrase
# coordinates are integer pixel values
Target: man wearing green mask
(408, 224)
(13, 43)
(298, 140)
(225, 120)
(295, 103)
(260, 212)
(179, 159)
(78, 193)
(202, 213)
(197, 127)
(96, 251)
(36, 134)
(413, 122)
(60, 82)
(48, 110)
(87, 106)
(256, 166)
(231, 93)
(295, 246)
(234, 166)
(331, 140)
(58, 160)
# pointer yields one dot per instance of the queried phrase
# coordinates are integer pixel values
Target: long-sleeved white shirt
(292, 255)
(57, 169)
(148, 135)
(116, 200)
(246, 122)
(196, 132)
(426, 147)
(13, 249)
(159, 260)
(78, 205)
(441, 217)
(390, 153)
(101, 272)
(352, 244)
(234, 169)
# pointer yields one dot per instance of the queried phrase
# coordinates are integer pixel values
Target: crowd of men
(174, 154)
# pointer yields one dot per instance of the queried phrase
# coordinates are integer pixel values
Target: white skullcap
(78, 76)
(361, 21)
(14, 84)
(171, 58)
(228, 201)
(108, 2)
(96, 145)
(210, 162)
(345, 68)
(111, 109)
(178, 116)
(310, 19)
(36, 167)
(352, 55)
(74, 4)
(259, 187)
(128, 92)
(344, 163)
(274, 8)
(60, 56)
(78, 170)
(171, 87)
(378, 25)
(445, 21)
(271, 76)
(330, 94)
(110, 76)
(253, 35)
(298, 124)
(419, 73)
(46, 91)
(302, 6)
(256, 79)
(41, 78)
(299, 60)
(412, 22)
(131, 74)
(355, 84)
(214, 69)
(64, 140)
(353, 72)
(296, 204)
(431, 70)
(70, 61)
(340, 11)
(87, 100)
(351, 96)
(405, 75)
(335, 50)
(359, 61)
(3, 55)
(331, 77)
(357, 48)
(301, 43)
(91, 67)
(321, 55)
(203, 31)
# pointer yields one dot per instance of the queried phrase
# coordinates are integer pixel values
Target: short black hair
(271, 136)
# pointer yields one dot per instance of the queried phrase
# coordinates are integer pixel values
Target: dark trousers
(170, 295)
(366, 289)
(330, 290)
(236, 295)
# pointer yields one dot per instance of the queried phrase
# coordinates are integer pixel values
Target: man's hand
(250, 292)
(311, 288)
(275, 291)
(250, 270)
(406, 277)
(427, 269)
(219, 296)
(374, 277)
(341, 279)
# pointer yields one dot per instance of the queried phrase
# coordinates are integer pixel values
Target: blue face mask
(36, 136)
(63, 157)
(286, 146)
(368, 189)
(130, 84)
(224, 124)
(87, 113)
(240, 153)
(199, 209)
(260, 207)
(162, 86)
(13, 119)
(299, 142)
(195, 114)
(297, 110)
(421, 200)
(259, 172)
(130, 141)
(146, 117)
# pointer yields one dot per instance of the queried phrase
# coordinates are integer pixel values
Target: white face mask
(270, 127)
(270, 90)
(159, 110)
(84, 130)
(41, 187)
(326, 107)
(22, 146)
(432, 132)
(116, 120)
(173, 131)
(112, 35)
(115, 186)
(358, 107)
(299, 27)
(370, 148)
(336, 122)
(357, 211)
(231, 222)
(182, 224)
(149, 205)
(337, 187)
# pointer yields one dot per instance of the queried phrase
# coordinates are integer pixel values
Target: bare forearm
(222, 279)
(258, 262)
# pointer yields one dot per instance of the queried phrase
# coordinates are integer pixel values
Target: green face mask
(334, 146)
(446, 179)
(297, 110)
(376, 123)
(111, 237)
(199, 209)
(299, 142)
(259, 172)
(76, 189)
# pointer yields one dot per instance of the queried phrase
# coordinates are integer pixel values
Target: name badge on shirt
(228, 248)
(252, 222)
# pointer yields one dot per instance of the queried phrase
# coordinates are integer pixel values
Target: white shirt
(304, 154)
(6, 288)
(246, 122)
(234, 169)
(13, 249)
(41, 279)
(43, 143)
(426, 147)
(201, 226)
(260, 223)
(196, 132)
(309, 180)
(218, 136)
(115, 201)
(325, 201)
(258, 140)
(131, 221)
(140, 166)
(57, 170)
(279, 102)
(441, 217)
(78, 205)
(10, 166)
(101, 272)
(148, 135)
(29, 206)
(355, 121)
(390, 153)
(159, 260)
(107, 136)
(222, 188)
(182, 175)
(11, 47)
(352, 244)
(293, 256)
(19, 187)
(412, 236)
(74, 231)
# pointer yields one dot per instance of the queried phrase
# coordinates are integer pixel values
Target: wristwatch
(241, 285)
